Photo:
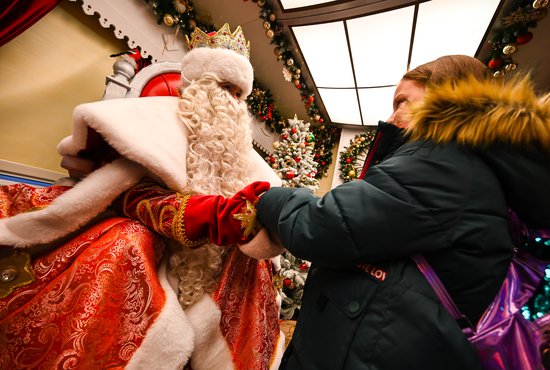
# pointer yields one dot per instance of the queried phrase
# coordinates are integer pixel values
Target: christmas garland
(515, 32)
(361, 143)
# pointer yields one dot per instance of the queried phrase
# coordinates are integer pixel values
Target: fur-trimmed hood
(507, 124)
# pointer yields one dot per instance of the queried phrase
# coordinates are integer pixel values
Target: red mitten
(225, 221)
(193, 220)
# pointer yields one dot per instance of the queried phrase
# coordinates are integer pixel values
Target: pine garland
(359, 146)
(515, 31)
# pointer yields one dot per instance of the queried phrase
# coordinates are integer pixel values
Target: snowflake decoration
(287, 75)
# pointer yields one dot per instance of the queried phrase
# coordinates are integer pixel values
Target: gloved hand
(192, 219)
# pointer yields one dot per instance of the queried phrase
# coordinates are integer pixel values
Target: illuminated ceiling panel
(355, 63)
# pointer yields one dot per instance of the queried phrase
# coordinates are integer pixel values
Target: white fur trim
(262, 246)
(224, 63)
(279, 351)
(169, 341)
(73, 208)
(145, 130)
(211, 350)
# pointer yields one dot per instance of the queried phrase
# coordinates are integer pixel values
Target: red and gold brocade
(96, 296)
(93, 299)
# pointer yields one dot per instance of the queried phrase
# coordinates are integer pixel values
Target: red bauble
(298, 86)
(303, 266)
(524, 38)
(284, 136)
(348, 160)
(311, 99)
(293, 130)
(289, 175)
(287, 282)
(495, 63)
(298, 159)
(272, 159)
(323, 163)
(321, 120)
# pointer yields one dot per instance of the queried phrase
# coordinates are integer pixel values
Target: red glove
(193, 220)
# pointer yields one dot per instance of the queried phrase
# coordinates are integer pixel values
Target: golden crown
(223, 38)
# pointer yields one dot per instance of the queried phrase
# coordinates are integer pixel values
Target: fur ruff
(224, 63)
(480, 113)
(170, 339)
(73, 208)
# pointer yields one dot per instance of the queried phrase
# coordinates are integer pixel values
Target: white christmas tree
(292, 159)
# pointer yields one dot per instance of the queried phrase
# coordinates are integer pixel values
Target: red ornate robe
(100, 300)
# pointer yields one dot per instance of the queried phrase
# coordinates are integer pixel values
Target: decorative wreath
(352, 158)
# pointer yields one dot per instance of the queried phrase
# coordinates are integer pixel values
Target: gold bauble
(269, 33)
(289, 61)
(316, 117)
(351, 173)
(296, 76)
(509, 49)
(277, 51)
(537, 4)
(267, 25)
(272, 17)
(168, 20)
(499, 74)
(261, 3)
(510, 66)
(296, 82)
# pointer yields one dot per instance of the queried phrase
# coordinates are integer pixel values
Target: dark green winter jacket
(474, 150)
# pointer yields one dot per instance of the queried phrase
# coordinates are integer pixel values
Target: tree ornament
(316, 118)
(276, 145)
(269, 33)
(351, 174)
(296, 82)
(287, 282)
(289, 175)
(499, 74)
(180, 6)
(348, 160)
(510, 67)
(524, 38)
(287, 75)
(293, 130)
(289, 61)
(261, 3)
(538, 4)
(277, 51)
(168, 20)
(509, 49)
(495, 63)
(272, 17)
(267, 25)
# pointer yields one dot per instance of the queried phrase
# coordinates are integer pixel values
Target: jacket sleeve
(393, 213)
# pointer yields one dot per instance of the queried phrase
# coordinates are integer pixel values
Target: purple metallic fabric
(504, 338)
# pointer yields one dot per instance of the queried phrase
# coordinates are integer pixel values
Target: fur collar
(481, 113)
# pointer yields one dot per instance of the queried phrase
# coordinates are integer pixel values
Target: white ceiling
(352, 53)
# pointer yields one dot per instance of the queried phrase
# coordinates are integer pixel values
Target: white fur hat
(222, 53)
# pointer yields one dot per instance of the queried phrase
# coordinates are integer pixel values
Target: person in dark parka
(472, 148)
